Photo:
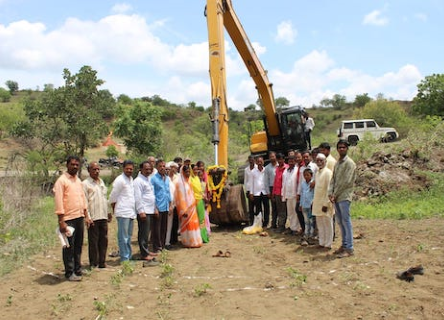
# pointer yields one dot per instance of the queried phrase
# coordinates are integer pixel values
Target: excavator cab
(292, 129)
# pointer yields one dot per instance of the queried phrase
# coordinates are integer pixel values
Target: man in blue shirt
(161, 183)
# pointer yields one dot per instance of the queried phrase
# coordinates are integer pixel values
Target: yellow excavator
(282, 131)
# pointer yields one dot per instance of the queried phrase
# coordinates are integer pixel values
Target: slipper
(416, 270)
(114, 254)
(406, 275)
(148, 258)
(219, 254)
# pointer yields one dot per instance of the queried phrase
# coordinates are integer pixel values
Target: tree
(250, 108)
(140, 127)
(337, 102)
(5, 96)
(281, 103)
(12, 86)
(112, 151)
(386, 113)
(71, 117)
(48, 87)
(124, 99)
(430, 97)
(84, 109)
(361, 100)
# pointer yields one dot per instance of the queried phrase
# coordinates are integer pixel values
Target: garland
(216, 190)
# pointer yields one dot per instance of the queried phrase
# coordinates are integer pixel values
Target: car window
(371, 124)
(359, 125)
(348, 125)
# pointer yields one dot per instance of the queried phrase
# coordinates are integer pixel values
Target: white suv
(354, 130)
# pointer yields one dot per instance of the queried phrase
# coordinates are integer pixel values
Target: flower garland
(216, 190)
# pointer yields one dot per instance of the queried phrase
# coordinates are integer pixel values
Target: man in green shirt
(340, 194)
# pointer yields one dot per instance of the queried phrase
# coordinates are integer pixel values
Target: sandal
(219, 254)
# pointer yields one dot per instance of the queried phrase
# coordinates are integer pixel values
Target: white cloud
(375, 18)
(130, 56)
(258, 48)
(286, 34)
(121, 8)
(315, 76)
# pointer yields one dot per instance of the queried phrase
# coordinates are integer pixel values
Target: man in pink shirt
(71, 209)
(281, 206)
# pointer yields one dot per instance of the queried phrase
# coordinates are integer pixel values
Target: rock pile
(385, 172)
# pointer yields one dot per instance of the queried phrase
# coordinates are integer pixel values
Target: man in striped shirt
(96, 193)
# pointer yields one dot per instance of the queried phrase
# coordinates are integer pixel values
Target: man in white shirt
(258, 192)
(124, 207)
(247, 174)
(144, 197)
(309, 125)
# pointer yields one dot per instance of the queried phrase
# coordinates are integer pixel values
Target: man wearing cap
(340, 194)
(324, 148)
(322, 207)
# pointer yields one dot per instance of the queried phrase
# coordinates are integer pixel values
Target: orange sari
(187, 212)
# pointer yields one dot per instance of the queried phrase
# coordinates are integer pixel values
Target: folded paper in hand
(63, 237)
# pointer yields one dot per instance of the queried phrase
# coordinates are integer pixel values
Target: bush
(5, 95)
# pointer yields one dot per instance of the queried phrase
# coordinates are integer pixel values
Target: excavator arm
(228, 202)
(220, 16)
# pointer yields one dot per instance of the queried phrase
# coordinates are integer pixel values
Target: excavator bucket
(232, 208)
(227, 202)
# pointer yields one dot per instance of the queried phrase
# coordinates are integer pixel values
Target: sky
(311, 49)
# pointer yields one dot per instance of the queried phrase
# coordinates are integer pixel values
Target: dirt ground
(264, 277)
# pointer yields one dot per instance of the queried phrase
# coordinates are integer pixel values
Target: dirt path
(264, 278)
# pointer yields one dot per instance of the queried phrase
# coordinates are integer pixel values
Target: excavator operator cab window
(293, 125)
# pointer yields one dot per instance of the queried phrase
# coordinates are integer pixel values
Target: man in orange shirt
(71, 209)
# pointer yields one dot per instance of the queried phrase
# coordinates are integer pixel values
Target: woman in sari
(186, 210)
(200, 203)
(203, 176)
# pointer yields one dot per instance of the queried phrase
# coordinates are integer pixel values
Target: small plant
(127, 268)
(9, 301)
(167, 270)
(164, 299)
(259, 250)
(359, 286)
(164, 256)
(62, 305)
(64, 298)
(297, 277)
(116, 279)
(105, 306)
(201, 290)
(101, 307)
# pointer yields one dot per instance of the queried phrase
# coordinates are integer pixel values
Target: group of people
(307, 192)
(166, 199)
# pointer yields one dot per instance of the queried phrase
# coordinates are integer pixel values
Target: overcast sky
(311, 49)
